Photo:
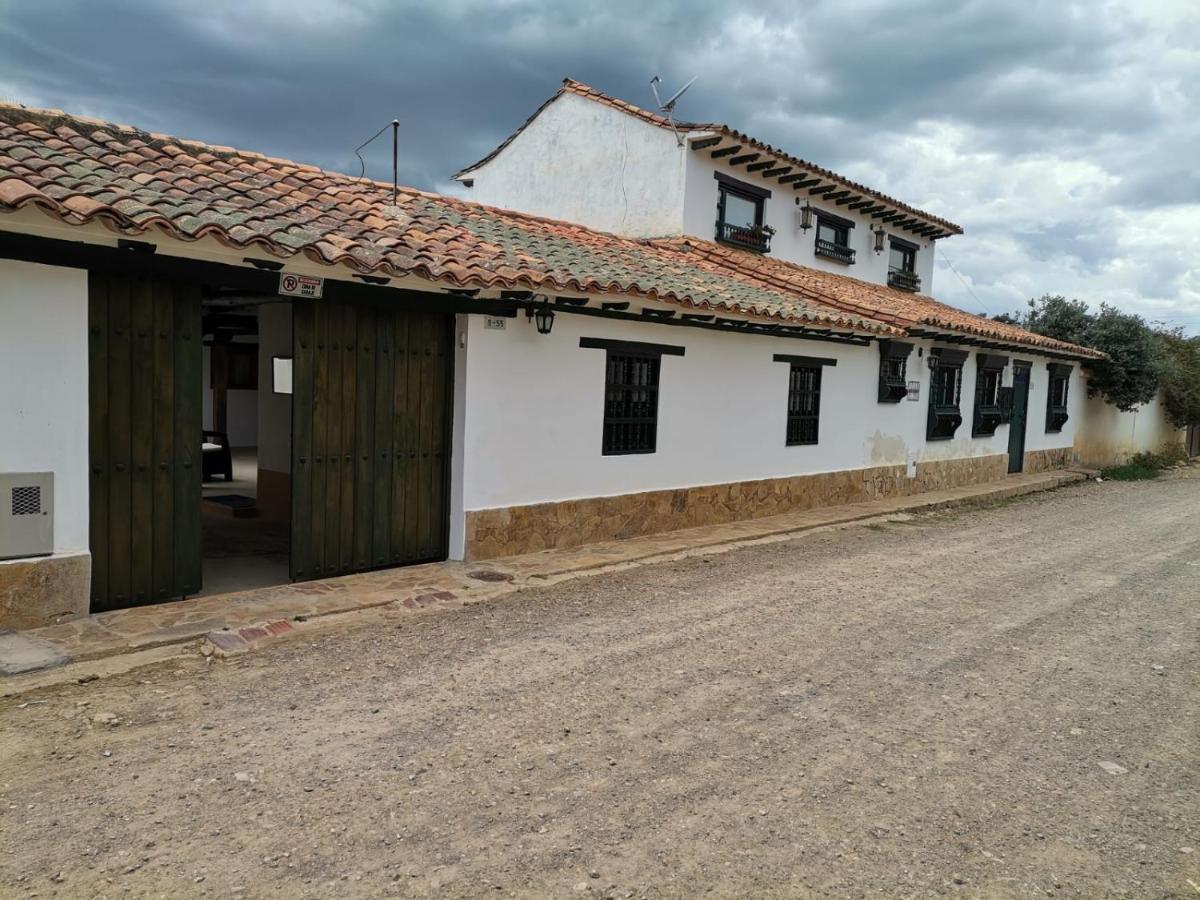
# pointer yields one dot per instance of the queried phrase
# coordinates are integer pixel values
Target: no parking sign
(293, 285)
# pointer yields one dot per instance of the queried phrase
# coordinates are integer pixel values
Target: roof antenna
(668, 108)
(395, 126)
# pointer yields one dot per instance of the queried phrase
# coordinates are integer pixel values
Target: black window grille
(989, 412)
(631, 403)
(893, 371)
(945, 392)
(833, 239)
(804, 404)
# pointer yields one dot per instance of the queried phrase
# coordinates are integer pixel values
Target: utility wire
(946, 260)
(362, 162)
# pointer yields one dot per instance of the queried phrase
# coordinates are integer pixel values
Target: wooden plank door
(144, 363)
(370, 438)
(1020, 414)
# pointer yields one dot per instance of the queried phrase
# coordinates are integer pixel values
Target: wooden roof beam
(861, 204)
(777, 171)
(821, 190)
(808, 182)
(759, 166)
(726, 151)
(705, 143)
(849, 199)
(744, 158)
(836, 194)
(795, 176)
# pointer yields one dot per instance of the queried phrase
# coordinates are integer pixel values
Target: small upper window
(1056, 404)
(902, 265)
(833, 238)
(740, 215)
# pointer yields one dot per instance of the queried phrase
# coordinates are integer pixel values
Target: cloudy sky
(1065, 137)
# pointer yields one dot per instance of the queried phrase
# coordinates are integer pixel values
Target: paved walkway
(262, 613)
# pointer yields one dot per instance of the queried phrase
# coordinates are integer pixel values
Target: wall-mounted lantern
(543, 317)
(804, 215)
(879, 235)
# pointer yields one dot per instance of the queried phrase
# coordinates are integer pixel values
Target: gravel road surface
(999, 701)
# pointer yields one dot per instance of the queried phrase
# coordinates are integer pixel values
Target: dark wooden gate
(143, 439)
(370, 437)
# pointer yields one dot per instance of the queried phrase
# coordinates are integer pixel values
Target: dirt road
(995, 702)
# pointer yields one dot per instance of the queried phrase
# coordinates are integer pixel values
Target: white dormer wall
(790, 243)
(588, 163)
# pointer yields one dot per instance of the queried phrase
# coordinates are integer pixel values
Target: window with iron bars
(804, 404)
(631, 403)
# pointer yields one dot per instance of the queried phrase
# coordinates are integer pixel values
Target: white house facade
(428, 378)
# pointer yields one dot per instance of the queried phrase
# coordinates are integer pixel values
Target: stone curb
(233, 641)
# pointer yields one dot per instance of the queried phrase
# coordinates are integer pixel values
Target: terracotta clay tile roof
(80, 171)
(571, 86)
(900, 308)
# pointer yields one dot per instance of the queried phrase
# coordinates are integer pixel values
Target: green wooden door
(370, 437)
(1020, 413)
(143, 440)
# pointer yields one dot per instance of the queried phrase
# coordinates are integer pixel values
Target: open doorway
(246, 451)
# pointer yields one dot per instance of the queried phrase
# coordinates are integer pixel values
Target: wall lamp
(806, 215)
(879, 235)
(542, 315)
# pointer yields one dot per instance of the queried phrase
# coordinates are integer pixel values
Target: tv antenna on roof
(668, 108)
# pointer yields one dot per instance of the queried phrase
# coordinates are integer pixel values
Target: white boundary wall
(1110, 437)
(44, 387)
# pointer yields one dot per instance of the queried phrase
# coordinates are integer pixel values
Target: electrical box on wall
(26, 514)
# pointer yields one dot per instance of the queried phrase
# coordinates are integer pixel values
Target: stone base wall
(42, 591)
(508, 531)
(1037, 461)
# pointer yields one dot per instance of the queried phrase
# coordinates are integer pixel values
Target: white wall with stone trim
(44, 387)
(533, 413)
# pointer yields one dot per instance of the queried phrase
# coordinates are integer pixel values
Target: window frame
(630, 350)
(756, 195)
(945, 418)
(807, 364)
(1056, 413)
(906, 279)
(989, 412)
(838, 250)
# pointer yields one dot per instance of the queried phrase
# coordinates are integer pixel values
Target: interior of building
(247, 443)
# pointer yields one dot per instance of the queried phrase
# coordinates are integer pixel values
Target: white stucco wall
(588, 163)
(532, 413)
(790, 243)
(44, 387)
(1108, 436)
(241, 407)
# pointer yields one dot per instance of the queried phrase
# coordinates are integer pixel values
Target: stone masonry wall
(523, 529)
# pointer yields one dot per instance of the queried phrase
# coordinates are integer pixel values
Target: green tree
(1130, 375)
(1180, 377)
